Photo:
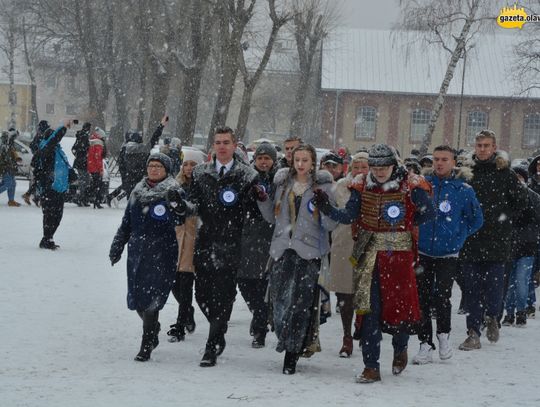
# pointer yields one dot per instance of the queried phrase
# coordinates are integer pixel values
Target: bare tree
(233, 16)
(251, 79)
(450, 24)
(313, 20)
(9, 44)
(29, 48)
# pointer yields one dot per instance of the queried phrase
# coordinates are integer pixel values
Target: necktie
(222, 171)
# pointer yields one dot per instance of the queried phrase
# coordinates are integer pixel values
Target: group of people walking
(395, 240)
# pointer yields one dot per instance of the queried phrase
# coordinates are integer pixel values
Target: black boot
(190, 325)
(146, 347)
(259, 339)
(289, 364)
(209, 358)
(176, 333)
(48, 244)
(155, 337)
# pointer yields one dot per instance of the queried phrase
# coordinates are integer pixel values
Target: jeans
(518, 285)
(8, 183)
(435, 289)
(484, 286)
(371, 329)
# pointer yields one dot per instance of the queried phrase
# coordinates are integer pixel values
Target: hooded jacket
(501, 197)
(534, 177)
(457, 214)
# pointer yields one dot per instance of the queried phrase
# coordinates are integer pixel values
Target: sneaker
(48, 244)
(445, 350)
(176, 333)
(508, 320)
(369, 375)
(472, 342)
(531, 309)
(492, 329)
(424, 355)
(14, 204)
(521, 319)
(400, 362)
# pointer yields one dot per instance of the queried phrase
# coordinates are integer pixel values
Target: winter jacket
(218, 203)
(526, 228)
(457, 214)
(53, 168)
(97, 151)
(148, 228)
(133, 155)
(534, 177)
(256, 234)
(309, 237)
(8, 155)
(80, 150)
(501, 197)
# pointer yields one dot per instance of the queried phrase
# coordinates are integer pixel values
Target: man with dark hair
(457, 216)
(289, 145)
(219, 188)
(485, 253)
(80, 151)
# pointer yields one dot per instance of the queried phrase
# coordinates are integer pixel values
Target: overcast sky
(370, 13)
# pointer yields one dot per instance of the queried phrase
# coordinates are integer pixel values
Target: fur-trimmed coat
(457, 214)
(501, 198)
(309, 236)
(148, 230)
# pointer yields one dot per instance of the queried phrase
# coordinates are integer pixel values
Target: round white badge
(229, 196)
(445, 206)
(393, 211)
(159, 210)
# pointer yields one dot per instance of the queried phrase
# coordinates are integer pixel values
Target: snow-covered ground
(67, 339)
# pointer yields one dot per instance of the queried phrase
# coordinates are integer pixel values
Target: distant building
(22, 99)
(378, 86)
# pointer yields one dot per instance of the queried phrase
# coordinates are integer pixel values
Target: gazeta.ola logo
(515, 17)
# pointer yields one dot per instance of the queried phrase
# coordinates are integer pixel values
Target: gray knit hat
(268, 149)
(162, 158)
(381, 155)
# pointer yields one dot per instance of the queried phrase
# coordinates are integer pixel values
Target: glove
(176, 201)
(259, 192)
(114, 258)
(321, 201)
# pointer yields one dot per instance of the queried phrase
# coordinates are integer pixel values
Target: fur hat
(193, 155)
(162, 158)
(361, 155)
(381, 155)
(268, 149)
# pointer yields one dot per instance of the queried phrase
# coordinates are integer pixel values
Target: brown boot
(14, 204)
(347, 348)
(400, 362)
(26, 198)
(369, 375)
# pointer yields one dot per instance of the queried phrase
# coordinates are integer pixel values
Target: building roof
(392, 61)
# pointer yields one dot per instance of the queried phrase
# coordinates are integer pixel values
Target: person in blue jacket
(458, 215)
(148, 229)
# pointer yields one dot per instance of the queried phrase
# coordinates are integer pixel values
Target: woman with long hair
(299, 242)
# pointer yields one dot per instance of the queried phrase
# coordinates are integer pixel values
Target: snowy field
(69, 340)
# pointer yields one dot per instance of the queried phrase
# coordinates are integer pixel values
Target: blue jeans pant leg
(8, 183)
(523, 270)
(400, 342)
(371, 327)
(510, 299)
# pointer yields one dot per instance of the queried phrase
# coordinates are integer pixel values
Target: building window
(51, 81)
(419, 124)
(49, 108)
(71, 83)
(366, 123)
(531, 131)
(476, 122)
(71, 110)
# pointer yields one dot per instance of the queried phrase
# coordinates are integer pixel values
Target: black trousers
(52, 206)
(435, 290)
(215, 292)
(183, 292)
(254, 291)
(95, 188)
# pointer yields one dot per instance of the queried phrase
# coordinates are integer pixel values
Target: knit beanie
(381, 155)
(162, 158)
(268, 149)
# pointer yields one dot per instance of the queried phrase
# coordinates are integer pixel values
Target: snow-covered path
(68, 339)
